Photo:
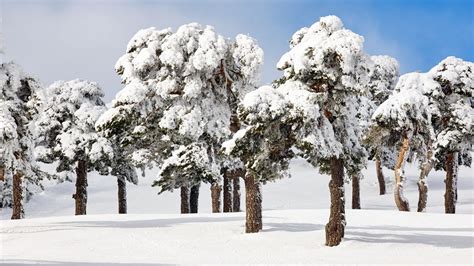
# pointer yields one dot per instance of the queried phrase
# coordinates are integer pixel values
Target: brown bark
(227, 191)
(194, 198)
(122, 195)
(337, 220)
(400, 200)
(81, 188)
(422, 184)
(450, 194)
(2, 173)
(356, 191)
(18, 211)
(253, 205)
(184, 199)
(236, 194)
(216, 197)
(380, 176)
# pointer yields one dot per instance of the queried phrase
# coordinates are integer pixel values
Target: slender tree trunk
(2, 179)
(81, 188)
(122, 195)
(185, 208)
(236, 194)
(227, 191)
(216, 197)
(194, 198)
(356, 191)
(380, 176)
(337, 220)
(450, 196)
(400, 200)
(18, 211)
(253, 205)
(2, 173)
(422, 183)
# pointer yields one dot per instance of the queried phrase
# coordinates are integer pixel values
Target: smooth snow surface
(295, 212)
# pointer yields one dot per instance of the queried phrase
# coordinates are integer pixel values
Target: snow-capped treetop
(180, 88)
(327, 53)
(383, 78)
(452, 105)
(66, 126)
(407, 109)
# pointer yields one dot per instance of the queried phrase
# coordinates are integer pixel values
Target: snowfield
(295, 212)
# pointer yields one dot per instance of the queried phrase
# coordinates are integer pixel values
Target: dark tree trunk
(337, 220)
(81, 188)
(194, 198)
(216, 197)
(227, 191)
(122, 195)
(253, 205)
(18, 211)
(400, 200)
(356, 191)
(185, 199)
(380, 176)
(236, 194)
(450, 195)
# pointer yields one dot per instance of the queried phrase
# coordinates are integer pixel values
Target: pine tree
(453, 120)
(67, 134)
(329, 60)
(180, 90)
(383, 78)
(403, 122)
(20, 177)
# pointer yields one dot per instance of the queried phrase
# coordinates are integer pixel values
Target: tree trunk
(18, 211)
(227, 191)
(400, 200)
(337, 220)
(185, 199)
(380, 177)
(122, 195)
(422, 183)
(236, 194)
(81, 188)
(253, 205)
(2, 173)
(194, 198)
(450, 195)
(356, 191)
(216, 197)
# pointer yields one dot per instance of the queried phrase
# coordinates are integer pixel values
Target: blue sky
(83, 39)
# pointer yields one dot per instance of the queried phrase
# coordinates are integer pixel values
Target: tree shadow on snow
(383, 235)
(291, 227)
(52, 262)
(152, 223)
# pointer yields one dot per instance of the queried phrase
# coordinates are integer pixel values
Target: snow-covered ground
(295, 212)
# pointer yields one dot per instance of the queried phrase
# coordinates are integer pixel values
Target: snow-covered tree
(180, 90)
(403, 122)
(453, 120)
(383, 78)
(273, 119)
(67, 134)
(329, 60)
(325, 73)
(19, 176)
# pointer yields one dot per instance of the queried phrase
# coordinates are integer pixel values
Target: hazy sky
(56, 40)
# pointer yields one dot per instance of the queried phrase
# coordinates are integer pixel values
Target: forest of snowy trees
(192, 106)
